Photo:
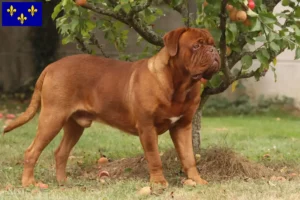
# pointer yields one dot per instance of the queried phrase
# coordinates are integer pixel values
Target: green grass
(251, 136)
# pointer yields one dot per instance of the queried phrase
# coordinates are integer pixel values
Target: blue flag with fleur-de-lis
(22, 14)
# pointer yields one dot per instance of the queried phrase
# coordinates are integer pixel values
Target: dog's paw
(158, 186)
(199, 180)
(159, 180)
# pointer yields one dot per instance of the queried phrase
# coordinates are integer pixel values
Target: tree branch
(139, 8)
(106, 12)
(144, 31)
(132, 21)
(114, 3)
(223, 86)
(181, 8)
(82, 46)
(224, 66)
(94, 41)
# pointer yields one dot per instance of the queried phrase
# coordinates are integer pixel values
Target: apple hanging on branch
(80, 2)
(251, 4)
(241, 15)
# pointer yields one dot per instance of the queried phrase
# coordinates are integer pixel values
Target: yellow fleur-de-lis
(22, 18)
(11, 10)
(32, 10)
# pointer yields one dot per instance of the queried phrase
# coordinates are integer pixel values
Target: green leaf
(232, 32)
(297, 56)
(118, 7)
(233, 28)
(285, 2)
(261, 38)
(126, 8)
(176, 2)
(84, 33)
(74, 24)
(275, 47)
(257, 74)
(64, 2)
(216, 80)
(267, 18)
(297, 12)
(271, 36)
(212, 9)
(216, 33)
(261, 57)
(246, 61)
(250, 40)
(90, 25)
(251, 13)
(66, 40)
(64, 29)
(274, 61)
(266, 53)
(258, 2)
(56, 11)
(291, 45)
(236, 49)
(296, 29)
(256, 26)
(150, 19)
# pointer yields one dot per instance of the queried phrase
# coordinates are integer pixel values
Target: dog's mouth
(197, 77)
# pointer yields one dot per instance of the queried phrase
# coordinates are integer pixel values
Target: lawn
(255, 137)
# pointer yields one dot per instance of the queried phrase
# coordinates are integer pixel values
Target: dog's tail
(32, 108)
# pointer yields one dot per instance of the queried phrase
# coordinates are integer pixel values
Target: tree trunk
(196, 131)
(196, 126)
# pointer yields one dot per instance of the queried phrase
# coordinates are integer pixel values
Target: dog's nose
(215, 65)
(212, 49)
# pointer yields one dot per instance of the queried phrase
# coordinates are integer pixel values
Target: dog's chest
(174, 119)
(182, 104)
(168, 116)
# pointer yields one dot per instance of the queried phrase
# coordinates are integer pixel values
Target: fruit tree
(244, 30)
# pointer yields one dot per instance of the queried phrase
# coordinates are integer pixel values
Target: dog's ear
(171, 40)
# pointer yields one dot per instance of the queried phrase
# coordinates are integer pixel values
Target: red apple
(102, 161)
(80, 2)
(41, 185)
(251, 4)
(10, 116)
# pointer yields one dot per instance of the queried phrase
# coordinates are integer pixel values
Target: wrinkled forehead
(193, 35)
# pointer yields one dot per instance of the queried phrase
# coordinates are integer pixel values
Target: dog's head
(194, 49)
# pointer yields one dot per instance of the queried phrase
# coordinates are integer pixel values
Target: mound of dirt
(223, 163)
(216, 163)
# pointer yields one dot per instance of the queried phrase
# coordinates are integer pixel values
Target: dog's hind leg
(72, 133)
(50, 124)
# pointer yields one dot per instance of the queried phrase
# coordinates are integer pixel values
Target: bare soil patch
(215, 164)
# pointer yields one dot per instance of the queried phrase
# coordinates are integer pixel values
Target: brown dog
(145, 98)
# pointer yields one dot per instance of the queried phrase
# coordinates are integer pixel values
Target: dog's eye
(196, 46)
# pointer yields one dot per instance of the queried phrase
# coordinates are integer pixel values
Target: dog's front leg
(181, 135)
(149, 140)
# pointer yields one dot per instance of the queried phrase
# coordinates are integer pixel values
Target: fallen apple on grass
(10, 116)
